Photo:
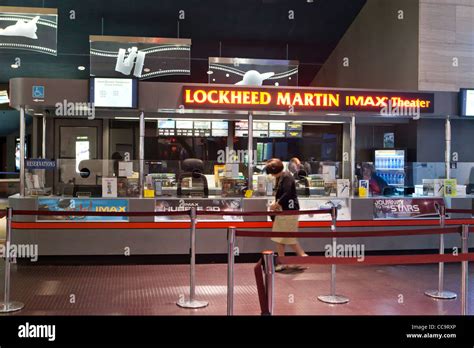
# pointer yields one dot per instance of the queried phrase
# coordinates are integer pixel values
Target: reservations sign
(304, 99)
(40, 163)
(229, 204)
(406, 208)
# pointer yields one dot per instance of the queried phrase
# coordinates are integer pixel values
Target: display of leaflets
(125, 169)
(343, 187)
(363, 188)
(109, 187)
(128, 187)
(450, 187)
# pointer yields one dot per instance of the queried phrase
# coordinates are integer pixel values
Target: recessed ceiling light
(147, 70)
(289, 77)
(81, 68)
(213, 80)
(210, 72)
(15, 66)
(227, 75)
(332, 114)
(277, 84)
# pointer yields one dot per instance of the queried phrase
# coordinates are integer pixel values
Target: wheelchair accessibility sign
(38, 92)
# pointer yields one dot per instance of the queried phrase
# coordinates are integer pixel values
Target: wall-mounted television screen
(113, 92)
(466, 102)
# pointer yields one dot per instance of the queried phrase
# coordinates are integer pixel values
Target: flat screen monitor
(113, 92)
(277, 129)
(260, 129)
(466, 102)
(166, 124)
(184, 128)
(220, 128)
(241, 129)
(294, 130)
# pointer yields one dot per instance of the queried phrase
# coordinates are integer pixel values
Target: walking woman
(285, 199)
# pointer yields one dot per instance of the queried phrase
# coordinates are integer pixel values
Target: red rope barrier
(376, 260)
(270, 213)
(460, 211)
(382, 233)
(258, 270)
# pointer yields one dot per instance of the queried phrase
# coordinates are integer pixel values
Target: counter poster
(406, 208)
(82, 204)
(343, 212)
(221, 204)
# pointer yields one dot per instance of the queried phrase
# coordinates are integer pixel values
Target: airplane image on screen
(22, 28)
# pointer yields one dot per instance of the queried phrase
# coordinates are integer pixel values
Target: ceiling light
(277, 84)
(38, 114)
(332, 114)
(15, 66)
(213, 80)
(81, 68)
(210, 72)
(147, 70)
(226, 75)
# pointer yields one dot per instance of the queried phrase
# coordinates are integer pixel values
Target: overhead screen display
(193, 128)
(113, 93)
(467, 102)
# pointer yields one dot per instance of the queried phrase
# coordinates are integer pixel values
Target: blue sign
(39, 163)
(82, 204)
(38, 92)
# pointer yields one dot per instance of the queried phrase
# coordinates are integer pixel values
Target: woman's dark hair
(274, 166)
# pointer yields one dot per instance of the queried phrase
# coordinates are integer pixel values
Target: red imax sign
(208, 97)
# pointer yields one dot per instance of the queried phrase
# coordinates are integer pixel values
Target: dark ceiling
(227, 28)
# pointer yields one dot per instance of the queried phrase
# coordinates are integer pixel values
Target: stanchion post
(230, 270)
(464, 272)
(269, 267)
(440, 293)
(192, 302)
(6, 306)
(333, 298)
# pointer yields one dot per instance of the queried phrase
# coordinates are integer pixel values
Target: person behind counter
(285, 199)
(376, 183)
(296, 167)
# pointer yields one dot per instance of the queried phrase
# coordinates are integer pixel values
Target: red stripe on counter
(225, 224)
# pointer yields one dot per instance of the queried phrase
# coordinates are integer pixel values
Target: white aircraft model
(22, 28)
(254, 78)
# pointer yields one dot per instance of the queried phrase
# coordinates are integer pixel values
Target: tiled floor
(154, 290)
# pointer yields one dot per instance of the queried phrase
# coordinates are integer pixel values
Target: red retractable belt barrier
(376, 260)
(258, 270)
(460, 211)
(380, 233)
